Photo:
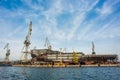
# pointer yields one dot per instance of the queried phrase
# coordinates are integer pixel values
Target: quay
(69, 66)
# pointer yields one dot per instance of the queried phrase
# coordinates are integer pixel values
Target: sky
(70, 24)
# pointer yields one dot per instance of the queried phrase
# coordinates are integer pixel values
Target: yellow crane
(7, 52)
(75, 57)
(26, 49)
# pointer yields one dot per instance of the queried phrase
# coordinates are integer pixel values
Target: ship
(2, 63)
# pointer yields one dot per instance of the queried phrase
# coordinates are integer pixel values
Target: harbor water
(81, 73)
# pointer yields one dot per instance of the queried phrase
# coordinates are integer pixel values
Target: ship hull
(5, 64)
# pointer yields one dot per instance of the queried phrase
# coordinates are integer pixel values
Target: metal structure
(46, 55)
(7, 52)
(93, 47)
(47, 44)
(26, 49)
(75, 57)
(60, 55)
(99, 58)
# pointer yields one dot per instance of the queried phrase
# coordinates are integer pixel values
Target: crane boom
(27, 41)
(6, 46)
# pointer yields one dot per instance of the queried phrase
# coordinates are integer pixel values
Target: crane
(75, 57)
(47, 44)
(64, 50)
(93, 47)
(7, 52)
(26, 49)
(60, 55)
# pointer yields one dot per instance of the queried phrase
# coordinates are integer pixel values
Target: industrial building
(50, 56)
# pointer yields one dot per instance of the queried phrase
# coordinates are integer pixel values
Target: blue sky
(70, 24)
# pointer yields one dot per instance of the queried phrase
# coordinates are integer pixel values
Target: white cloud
(60, 35)
(108, 7)
(78, 14)
(16, 31)
(85, 31)
(53, 11)
(34, 6)
(79, 18)
(57, 9)
(108, 30)
(105, 10)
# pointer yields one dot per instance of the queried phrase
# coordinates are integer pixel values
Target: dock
(69, 66)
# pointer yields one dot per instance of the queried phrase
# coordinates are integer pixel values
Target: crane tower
(26, 49)
(93, 47)
(7, 52)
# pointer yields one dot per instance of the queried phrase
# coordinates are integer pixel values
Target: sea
(81, 73)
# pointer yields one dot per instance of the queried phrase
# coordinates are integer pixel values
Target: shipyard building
(43, 56)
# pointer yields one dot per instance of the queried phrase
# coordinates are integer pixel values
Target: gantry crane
(7, 52)
(93, 47)
(26, 49)
(47, 44)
